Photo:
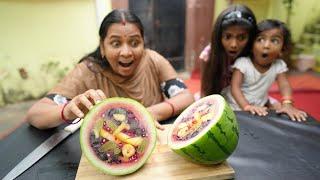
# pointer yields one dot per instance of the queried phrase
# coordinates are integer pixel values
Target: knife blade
(42, 150)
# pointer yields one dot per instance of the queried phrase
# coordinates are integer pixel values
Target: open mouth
(233, 52)
(264, 55)
(125, 64)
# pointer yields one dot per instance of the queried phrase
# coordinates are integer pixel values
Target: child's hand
(292, 112)
(261, 111)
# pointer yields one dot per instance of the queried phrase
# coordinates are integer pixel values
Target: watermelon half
(206, 132)
(118, 135)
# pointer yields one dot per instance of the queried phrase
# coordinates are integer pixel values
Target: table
(270, 147)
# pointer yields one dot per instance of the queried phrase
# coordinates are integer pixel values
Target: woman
(120, 66)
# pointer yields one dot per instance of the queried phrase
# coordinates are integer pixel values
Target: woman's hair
(115, 16)
(215, 72)
(276, 24)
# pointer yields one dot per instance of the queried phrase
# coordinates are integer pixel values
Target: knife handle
(74, 127)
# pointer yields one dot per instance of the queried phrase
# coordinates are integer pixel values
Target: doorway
(164, 25)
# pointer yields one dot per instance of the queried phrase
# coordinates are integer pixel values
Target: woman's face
(234, 39)
(123, 47)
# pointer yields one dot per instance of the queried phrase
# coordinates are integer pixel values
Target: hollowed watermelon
(206, 132)
(118, 135)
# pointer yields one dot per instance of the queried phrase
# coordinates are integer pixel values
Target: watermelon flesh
(206, 132)
(118, 135)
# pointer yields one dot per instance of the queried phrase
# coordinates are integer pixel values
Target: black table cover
(270, 147)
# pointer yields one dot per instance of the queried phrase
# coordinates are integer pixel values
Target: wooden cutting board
(163, 164)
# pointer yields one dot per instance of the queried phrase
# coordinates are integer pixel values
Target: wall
(45, 39)
(260, 8)
(219, 6)
(303, 12)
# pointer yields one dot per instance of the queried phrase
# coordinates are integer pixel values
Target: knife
(42, 150)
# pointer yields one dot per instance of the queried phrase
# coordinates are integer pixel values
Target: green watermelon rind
(98, 163)
(215, 145)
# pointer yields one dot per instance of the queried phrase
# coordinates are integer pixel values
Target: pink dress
(205, 53)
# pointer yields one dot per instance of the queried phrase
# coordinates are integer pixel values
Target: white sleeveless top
(255, 85)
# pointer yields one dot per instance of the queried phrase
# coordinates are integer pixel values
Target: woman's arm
(47, 114)
(44, 114)
(175, 104)
(164, 110)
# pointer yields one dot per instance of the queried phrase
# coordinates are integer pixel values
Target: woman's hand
(155, 118)
(261, 111)
(79, 105)
(158, 125)
(292, 112)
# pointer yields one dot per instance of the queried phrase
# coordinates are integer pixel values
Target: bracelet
(287, 101)
(64, 118)
(172, 107)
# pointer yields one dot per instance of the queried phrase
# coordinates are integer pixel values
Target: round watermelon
(206, 132)
(118, 135)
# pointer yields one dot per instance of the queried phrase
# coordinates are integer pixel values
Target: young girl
(232, 36)
(252, 77)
